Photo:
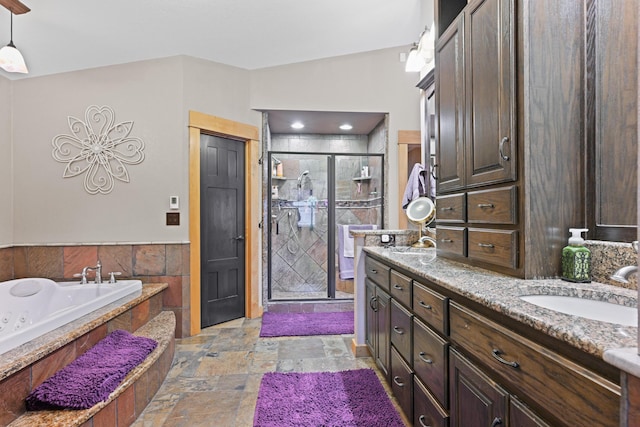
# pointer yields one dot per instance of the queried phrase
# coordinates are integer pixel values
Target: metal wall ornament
(98, 148)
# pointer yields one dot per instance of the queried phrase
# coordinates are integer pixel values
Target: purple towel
(92, 377)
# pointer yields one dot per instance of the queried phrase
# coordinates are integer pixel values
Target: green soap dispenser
(576, 258)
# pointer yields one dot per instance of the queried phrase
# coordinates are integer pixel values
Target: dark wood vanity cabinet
(377, 319)
(451, 366)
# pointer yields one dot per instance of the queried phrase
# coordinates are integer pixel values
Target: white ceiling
(67, 35)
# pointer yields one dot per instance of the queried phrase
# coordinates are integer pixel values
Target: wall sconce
(11, 59)
(423, 52)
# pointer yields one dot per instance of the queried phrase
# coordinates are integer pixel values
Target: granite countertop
(502, 294)
(22, 356)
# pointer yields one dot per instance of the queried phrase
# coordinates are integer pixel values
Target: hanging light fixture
(11, 59)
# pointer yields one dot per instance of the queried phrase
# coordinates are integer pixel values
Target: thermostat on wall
(174, 202)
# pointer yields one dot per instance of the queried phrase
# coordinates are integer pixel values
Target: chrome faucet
(83, 275)
(622, 274)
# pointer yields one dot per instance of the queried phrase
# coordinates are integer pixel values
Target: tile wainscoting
(157, 263)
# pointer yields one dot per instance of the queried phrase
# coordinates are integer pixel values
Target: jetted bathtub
(32, 307)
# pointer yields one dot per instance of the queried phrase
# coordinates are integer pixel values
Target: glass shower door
(298, 230)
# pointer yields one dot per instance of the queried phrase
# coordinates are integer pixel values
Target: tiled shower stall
(315, 178)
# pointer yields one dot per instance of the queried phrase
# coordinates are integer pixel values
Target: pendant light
(11, 59)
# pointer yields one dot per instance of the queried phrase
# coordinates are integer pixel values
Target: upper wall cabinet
(475, 80)
(450, 106)
(612, 134)
(517, 166)
(490, 94)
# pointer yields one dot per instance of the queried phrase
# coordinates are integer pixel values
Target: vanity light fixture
(415, 61)
(297, 125)
(346, 126)
(11, 59)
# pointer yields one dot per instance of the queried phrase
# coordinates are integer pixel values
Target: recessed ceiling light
(297, 125)
(346, 126)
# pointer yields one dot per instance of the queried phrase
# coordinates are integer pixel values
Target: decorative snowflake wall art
(98, 148)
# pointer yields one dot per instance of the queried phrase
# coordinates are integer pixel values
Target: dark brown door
(222, 229)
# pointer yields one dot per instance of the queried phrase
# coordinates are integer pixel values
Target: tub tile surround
(27, 366)
(150, 263)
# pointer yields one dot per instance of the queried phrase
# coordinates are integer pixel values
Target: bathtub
(32, 307)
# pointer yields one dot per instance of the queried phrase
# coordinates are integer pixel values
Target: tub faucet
(83, 275)
(622, 274)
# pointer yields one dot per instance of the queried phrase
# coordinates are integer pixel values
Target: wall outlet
(173, 218)
(386, 239)
(174, 202)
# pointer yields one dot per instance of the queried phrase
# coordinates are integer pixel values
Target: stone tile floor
(215, 376)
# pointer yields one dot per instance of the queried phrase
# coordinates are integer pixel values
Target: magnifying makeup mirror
(422, 211)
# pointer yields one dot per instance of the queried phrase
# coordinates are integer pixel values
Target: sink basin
(587, 308)
(408, 250)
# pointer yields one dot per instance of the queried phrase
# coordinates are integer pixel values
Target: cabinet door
(490, 92)
(383, 340)
(450, 106)
(521, 416)
(476, 400)
(370, 317)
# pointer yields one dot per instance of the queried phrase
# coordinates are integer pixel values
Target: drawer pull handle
(496, 354)
(374, 271)
(371, 301)
(503, 141)
(486, 245)
(398, 287)
(446, 240)
(427, 306)
(486, 205)
(398, 331)
(447, 208)
(496, 422)
(421, 419)
(396, 380)
(421, 356)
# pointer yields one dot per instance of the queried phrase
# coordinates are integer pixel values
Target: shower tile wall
(299, 254)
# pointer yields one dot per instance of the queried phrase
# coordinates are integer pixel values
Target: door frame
(204, 123)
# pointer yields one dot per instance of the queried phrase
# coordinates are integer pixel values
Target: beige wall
(6, 183)
(157, 96)
(367, 82)
(50, 209)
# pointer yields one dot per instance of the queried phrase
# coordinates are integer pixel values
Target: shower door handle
(239, 238)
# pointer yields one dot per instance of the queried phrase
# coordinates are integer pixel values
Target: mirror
(422, 211)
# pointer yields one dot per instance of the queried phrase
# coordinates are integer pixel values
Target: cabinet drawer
(499, 247)
(402, 382)
(430, 307)
(451, 240)
(377, 272)
(430, 360)
(578, 396)
(520, 415)
(493, 206)
(426, 410)
(451, 208)
(401, 288)
(401, 329)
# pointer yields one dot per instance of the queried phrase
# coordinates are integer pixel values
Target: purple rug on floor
(93, 376)
(304, 324)
(336, 399)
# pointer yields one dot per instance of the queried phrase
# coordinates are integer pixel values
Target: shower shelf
(362, 178)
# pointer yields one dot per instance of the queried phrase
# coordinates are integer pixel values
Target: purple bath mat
(331, 399)
(92, 377)
(304, 324)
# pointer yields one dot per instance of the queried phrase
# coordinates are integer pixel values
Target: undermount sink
(587, 308)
